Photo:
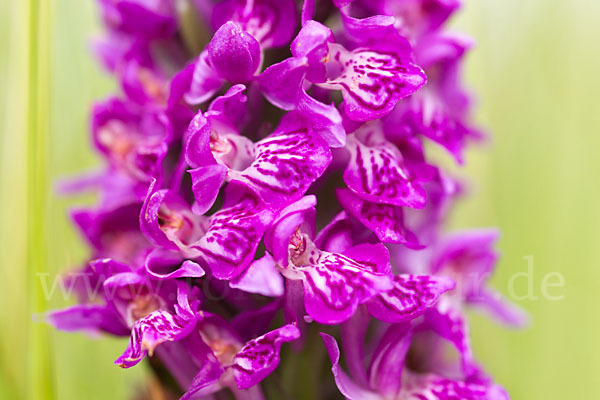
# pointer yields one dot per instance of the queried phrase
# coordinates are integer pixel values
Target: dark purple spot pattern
(410, 297)
(233, 235)
(377, 174)
(286, 164)
(427, 115)
(432, 387)
(335, 285)
(373, 82)
(148, 332)
(260, 356)
(384, 220)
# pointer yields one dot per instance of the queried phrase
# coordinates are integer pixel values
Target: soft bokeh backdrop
(535, 71)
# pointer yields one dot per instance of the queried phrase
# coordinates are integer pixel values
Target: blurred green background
(535, 72)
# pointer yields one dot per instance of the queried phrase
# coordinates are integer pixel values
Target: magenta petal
(308, 11)
(234, 232)
(163, 264)
(335, 284)
(312, 43)
(449, 322)
(386, 221)
(325, 119)
(441, 109)
(469, 253)
(124, 279)
(132, 138)
(425, 16)
(149, 332)
(444, 49)
(281, 83)
(234, 53)
(180, 84)
(502, 310)
(353, 335)
(88, 317)
(373, 256)
(167, 221)
(149, 224)
(144, 84)
(256, 321)
(388, 362)
(84, 182)
(107, 267)
(99, 227)
(342, 3)
(206, 380)
(372, 82)
(212, 138)
(376, 171)
(336, 236)
(410, 297)
(206, 183)
(271, 22)
(197, 142)
(439, 388)
(297, 217)
(345, 384)
(370, 29)
(142, 19)
(260, 356)
(232, 105)
(261, 277)
(203, 83)
(287, 163)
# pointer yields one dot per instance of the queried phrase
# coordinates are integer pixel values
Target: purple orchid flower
(280, 168)
(372, 78)
(413, 18)
(390, 378)
(158, 324)
(377, 171)
(335, 284)
(144, 83)
(136, 31)
(225, 241)
(439, 111)
(265, 177)
(148, 19)
(233, 55)
(220, 357)
(128, 295)
(244, 29)
(225, 361)
(120, 132)
(113, 232)
(469, 259)
(271, 22)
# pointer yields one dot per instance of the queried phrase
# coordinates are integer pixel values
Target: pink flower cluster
(274, 185)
